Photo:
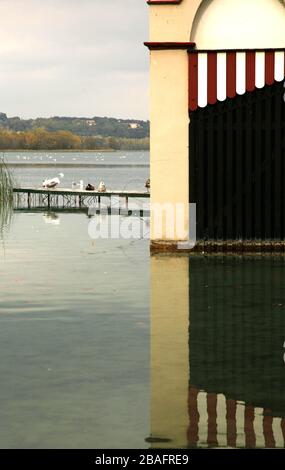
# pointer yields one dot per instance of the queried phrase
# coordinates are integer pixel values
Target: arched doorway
(237, 172)
(237, 120)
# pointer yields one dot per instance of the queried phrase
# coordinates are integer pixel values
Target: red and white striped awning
(215, 76)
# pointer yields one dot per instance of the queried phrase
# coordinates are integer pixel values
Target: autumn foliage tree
(41, 139)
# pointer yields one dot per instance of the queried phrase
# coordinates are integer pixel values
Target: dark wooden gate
(237, 169)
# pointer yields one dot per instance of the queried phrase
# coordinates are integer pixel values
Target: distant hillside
(86, 127)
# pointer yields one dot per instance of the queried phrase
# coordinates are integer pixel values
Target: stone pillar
(170, 30)
(169, 142)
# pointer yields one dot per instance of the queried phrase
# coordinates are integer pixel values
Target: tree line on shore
(106, 127)
(41, 139)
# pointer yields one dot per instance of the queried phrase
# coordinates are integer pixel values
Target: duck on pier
(53, 182)
(147, 183)
(102, 187)
(90, 187)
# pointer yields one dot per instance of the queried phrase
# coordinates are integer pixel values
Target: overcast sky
(74, 58)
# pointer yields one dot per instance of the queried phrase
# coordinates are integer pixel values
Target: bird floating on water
(53, 182)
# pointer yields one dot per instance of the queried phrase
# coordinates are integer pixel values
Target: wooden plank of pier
(16, 165)
(79, 192)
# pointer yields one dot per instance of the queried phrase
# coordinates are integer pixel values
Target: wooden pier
(69, 198)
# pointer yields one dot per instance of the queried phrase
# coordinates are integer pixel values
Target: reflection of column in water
(169, 350)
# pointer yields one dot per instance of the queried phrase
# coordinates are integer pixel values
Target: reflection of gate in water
(217, 351)
(237, 151)
(236, 339)
(216, 421)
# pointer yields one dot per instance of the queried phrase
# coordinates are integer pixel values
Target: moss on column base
(221, 246)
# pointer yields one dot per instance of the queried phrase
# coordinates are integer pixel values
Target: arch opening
(246, 24)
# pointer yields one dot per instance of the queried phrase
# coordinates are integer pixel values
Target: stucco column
(169, 36)
(169, 142)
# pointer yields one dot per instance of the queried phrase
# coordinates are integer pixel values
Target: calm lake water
(74, 337)
(119, 170)
(105, 346)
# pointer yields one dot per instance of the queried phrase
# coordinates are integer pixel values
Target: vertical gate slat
(194, 142)
(258, 164)
(282, 167)
(267, 166)
(239, 172)
(277, 164)
(248, 156)
(252, 180)
(220, 179)
(202, 187)
(211, 176)
(230, 207)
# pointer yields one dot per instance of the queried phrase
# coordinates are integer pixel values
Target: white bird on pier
(102, 187)
(53, 182)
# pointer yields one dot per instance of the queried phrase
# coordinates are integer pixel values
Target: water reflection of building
(169, 350)
(218, 373)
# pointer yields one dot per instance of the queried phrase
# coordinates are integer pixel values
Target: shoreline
(76, 165)
(69, 151)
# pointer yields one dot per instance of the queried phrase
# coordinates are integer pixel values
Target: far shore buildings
(218, 119)
(91, 122)
(134, 125)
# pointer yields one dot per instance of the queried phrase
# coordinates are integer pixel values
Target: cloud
(71, 57)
